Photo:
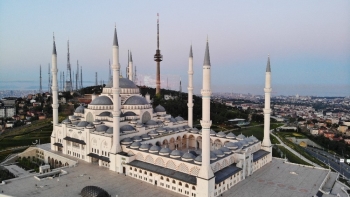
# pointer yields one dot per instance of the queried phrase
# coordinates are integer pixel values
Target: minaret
(41, 87)
(49, 84)
(69, 86)
(190, 89)
(266, 144)
(158, 58)
(96, 79)
(131, 69)
(54, 86)
(180, 89)
(81, 77)
(109, 68)
(116, 99)
(206, 176)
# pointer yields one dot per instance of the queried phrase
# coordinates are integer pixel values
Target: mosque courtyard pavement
(274, 179)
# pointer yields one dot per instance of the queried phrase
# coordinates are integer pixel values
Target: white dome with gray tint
(136, 100)
(80, 109)
(123, 83)
(159, 108)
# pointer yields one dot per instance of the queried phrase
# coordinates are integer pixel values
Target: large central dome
(123, 83)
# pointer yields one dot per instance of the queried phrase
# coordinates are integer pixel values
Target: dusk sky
(308, 42)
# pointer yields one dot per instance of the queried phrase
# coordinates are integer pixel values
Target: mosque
(121, 131)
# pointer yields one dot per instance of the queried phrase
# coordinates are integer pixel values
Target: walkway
(294, 152)
(17, 171)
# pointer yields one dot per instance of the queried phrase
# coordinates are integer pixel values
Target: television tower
(158, 58)
(81, 77)
(41, 88)
(69, 86)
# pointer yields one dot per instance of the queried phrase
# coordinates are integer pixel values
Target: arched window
(145, 173)
(186, 185)
(161, 178)
(174, 181)
(150, 174)
(167, 179)
(193, 188)
(180, 183)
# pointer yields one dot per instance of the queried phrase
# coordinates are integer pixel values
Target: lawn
(257, 131)
(283, 152)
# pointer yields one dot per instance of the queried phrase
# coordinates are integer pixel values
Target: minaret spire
(190, 89)
(206, 176)
(266, 144)
(158, 58)
(54, 96)
(130, 68)
(41, 88)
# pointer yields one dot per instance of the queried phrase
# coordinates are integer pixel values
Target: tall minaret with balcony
(158, 58)
(190, 89)
(116, 106)
(266, 144)
(55, 104)
(206, 179)
(131, 68)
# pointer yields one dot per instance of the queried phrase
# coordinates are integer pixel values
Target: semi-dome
(221, 134)
(240, 136)
(82, 124)
(164, 151)
(126, 128)
(80, 109)
(102, 100)
(225, 150)
(101, 128)
(219, 153)
(198, 160)
(135, 145)
(175, 154)
(93, 191)
(144, 147)
(110, 130)
(126, 141)
(230, 136)
(129, 113)
(154, 149)
(123, 83)
(136, 100)
(151, 122)
(159, 108)
(105, 113)
(187, 156)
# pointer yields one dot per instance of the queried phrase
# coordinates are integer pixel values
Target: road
(331, 160)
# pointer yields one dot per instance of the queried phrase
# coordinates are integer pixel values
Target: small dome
(110, 130)
(170, 130)
(93, 191)
(231, 145)
(129, 113)
(254, 138)
(153, 133)
(90, 126)
(240, 136)
(164, 151)
(225, 150)
(230, 136)
(187, 156)
(159, 108)
(145, 137)
(136, 139)
(194, 130)
(212, 156)
(151, 122)
(80, 109)
(96, 122)
(101, 128)
(127, 128)
(105, 113)
(75, 123)
(219, 153)
(179, 118)
(102, 100)
(198, 160)
(154, 149)
(82, 124)
(145, 147)
(136, 100)
(221, 134)
(135, 145)
(161, 130)
(66, 121)
(172, 119)
(139, 125)
(166, 120)
(175, 154)
(212, 132)
(244, 143)
(249, 140)
(126, 141)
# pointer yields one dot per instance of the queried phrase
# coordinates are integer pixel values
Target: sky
(308, 42)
